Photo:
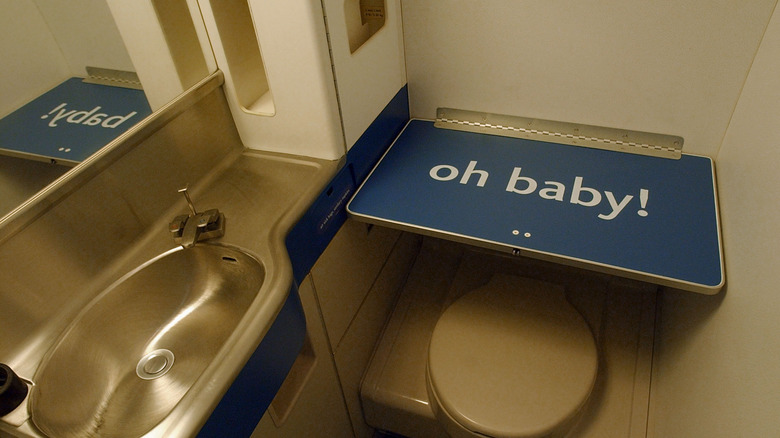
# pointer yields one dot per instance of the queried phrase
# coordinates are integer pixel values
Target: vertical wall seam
(406, 62)
(335, 79)
(744, 82)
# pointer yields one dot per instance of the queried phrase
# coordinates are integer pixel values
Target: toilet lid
(511, 359)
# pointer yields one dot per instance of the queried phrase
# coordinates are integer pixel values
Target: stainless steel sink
(131, 355)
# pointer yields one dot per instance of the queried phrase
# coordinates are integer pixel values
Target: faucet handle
(208, 218)
(189, 229)
(189, 200)
(176, 226)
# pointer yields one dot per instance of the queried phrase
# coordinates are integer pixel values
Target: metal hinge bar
(622, 140)
(116, 78)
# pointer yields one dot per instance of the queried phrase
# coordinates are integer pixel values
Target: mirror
(47, 42)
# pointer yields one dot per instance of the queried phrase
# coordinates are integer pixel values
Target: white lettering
(95, 119)
(80, 116)
(114, 121)
(578, 188)
(483, 175)
(552, 190)
(555, 193)
(63, 113)
(84, 117)
(46, 116)
(616, 208)
(434, 173)
(512, 184)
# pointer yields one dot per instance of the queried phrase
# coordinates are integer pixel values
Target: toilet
(479, 344)
(511, 359)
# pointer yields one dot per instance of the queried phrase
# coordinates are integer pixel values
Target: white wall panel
(292, 40)
(370, 77)
(32, 61)
(718, 361)
(662, 66)
(86, 33)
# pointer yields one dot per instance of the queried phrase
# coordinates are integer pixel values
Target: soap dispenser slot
(245, 66)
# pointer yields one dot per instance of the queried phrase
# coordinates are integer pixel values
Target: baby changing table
(71, 121)
(644, 217)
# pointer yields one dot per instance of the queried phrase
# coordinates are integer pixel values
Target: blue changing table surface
(646, 218)
(71, 121)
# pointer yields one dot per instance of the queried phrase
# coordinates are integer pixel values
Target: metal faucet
(195, 227)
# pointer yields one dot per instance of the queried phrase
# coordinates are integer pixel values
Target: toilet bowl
(513, 359)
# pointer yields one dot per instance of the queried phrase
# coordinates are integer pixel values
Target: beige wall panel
(665, 66)
(717, 368)
(346, 270)
(319, 410)
(357, 346)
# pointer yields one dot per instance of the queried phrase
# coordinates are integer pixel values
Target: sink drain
(155, 364)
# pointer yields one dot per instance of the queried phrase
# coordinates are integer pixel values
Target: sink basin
(131, 355)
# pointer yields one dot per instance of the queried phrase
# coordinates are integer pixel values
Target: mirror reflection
(49, 46)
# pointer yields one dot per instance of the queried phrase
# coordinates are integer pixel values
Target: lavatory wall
(24, 31)
(702, 70)
(716, 371)
(669, 67)
(348, 296)
(43, 42)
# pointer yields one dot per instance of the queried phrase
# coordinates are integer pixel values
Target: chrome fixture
(113, 373)
(155, 364)
(188, 229)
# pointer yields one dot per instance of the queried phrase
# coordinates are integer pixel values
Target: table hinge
(575, 134)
